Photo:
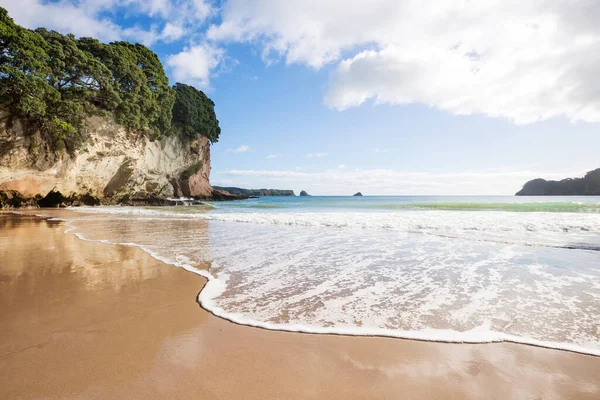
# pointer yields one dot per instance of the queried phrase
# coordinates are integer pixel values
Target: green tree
(55, 82)
(22, 69)
(194, 113)
(139, 78)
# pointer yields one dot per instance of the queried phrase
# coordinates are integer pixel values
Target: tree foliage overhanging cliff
(56, 81)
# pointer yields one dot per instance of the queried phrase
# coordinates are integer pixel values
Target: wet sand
(90, 320)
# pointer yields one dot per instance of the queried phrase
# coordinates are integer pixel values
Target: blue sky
(335, 96)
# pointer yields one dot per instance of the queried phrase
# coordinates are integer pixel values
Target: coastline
(85, 319)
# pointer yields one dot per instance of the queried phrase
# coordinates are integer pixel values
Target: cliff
(83, 121)
(589, 185)
(114, 164)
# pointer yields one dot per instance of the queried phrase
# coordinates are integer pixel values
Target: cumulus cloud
(242, 149)
(525, 61)
(172, 32)
(501, 58)
(195, 64)
(64, 17)
(276, 155)
(316, 155)
(96, 18)
(391, 182)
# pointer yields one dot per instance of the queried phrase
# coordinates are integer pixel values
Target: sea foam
(429, 275)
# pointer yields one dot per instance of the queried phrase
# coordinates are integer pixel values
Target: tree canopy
(194, 113)
(55, 81)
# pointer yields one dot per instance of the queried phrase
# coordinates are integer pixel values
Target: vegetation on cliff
(256, 192)
(194, 112)
(589, 185)
(55, 81)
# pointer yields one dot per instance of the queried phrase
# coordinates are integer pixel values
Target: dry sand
(90, 320)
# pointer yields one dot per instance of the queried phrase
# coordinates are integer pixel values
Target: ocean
(439, 268)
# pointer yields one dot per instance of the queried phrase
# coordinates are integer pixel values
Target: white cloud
(201, 9)
(276, 155)
(96, 18)
(195, 64)
(316, 155)
(242, 149)
(64, 17)
(501, 58)
(341, 166)
(392, 182)
(172, 32)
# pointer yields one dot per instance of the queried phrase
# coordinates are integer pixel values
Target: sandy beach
(85, 320)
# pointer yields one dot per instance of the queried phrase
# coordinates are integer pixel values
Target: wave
(558, 207)
(408, 221)
(512, 205)
(217, 285)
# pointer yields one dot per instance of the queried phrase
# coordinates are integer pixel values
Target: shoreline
(207, 294)
(349, 361)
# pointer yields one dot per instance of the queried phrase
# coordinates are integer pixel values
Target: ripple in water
(474, 276)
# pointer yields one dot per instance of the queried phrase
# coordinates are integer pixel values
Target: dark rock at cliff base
(54, 199)
(303, 193)
(84, 200)
(222, 195)
(359, 194)
(14, 199)
(589, 185)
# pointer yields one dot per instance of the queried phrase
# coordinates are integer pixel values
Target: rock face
(14, 199)
(113, 164)
(303, 193)
(358, 194)
(589, 185)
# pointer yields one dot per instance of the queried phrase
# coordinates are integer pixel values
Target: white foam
(352, 282)
(448, 221)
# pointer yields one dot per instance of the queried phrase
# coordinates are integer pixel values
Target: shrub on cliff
(194, 113)
(144, 99)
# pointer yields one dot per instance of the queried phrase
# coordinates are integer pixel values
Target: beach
(85, 319)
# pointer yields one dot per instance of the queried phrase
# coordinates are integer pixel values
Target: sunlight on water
(449, 269)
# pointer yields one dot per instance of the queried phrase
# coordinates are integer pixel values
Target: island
(589, 185)
(357, 194)
(303, 193)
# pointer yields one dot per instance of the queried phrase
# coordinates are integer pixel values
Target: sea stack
(358, 194)
(303, 193)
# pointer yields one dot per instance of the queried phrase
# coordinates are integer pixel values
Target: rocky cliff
(589, 185)
(113, 164)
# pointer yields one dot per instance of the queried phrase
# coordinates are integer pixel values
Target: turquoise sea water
(452, 203)
(444, 268)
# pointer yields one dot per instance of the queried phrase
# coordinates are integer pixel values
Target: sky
(386, 97)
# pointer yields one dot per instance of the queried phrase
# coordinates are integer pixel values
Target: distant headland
(255, 192)
(589, 185)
